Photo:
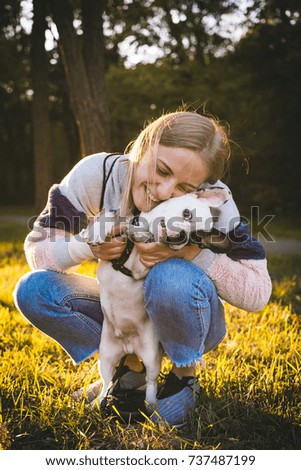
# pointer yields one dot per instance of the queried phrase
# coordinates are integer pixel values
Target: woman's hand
(112, 247)
(153, 253)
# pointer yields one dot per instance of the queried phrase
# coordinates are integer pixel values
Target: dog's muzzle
(197, 236)
(178, 240)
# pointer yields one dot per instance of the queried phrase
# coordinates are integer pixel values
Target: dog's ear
(217, 242)
(215, 197)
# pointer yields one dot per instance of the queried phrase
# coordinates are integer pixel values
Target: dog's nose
(197, 236)
(182, 235)
(177, 238)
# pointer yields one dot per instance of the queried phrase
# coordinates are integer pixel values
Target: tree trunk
(84, 68)
(40, 111)
(94, 56)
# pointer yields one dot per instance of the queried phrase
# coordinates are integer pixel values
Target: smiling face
(174, 172)
(171, 156)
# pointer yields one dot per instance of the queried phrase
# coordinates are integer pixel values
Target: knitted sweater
(240, 276)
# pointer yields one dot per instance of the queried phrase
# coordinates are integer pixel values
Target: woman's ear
(214, 196)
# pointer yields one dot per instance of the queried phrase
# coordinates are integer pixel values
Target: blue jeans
(180, 299)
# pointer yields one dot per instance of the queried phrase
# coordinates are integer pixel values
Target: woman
(176, 154)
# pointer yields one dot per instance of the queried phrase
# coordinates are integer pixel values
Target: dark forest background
(81, 96)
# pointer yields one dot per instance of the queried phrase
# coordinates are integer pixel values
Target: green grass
(17, 210)
(250, 397)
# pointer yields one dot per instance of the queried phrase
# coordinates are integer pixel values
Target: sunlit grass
(250, 397)
(17, 210)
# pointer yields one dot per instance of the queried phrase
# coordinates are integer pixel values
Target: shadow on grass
(234, 425)
(217, 424)
(39, 439)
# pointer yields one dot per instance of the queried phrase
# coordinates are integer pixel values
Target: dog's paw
(99, 228)
(99, 402)
(150, 407)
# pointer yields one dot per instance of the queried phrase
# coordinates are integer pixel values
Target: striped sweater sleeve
(54, 242)
(241, 276)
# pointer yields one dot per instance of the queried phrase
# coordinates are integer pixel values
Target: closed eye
(163, 170)
(160, 171)
(186, 188)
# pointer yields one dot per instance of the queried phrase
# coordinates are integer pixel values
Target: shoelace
(120, 371)
(173, 384)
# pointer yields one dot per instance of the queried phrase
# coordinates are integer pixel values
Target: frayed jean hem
(193, 362)
(183, 304)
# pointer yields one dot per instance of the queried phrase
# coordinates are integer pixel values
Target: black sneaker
(125, 400)
(127, 379)
(176, 399)
(123, 379)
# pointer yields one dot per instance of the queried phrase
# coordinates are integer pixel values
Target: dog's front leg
(110, 352)
(151, 357)
(151, 388)
(106, 370)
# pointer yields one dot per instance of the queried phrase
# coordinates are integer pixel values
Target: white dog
(127, 328)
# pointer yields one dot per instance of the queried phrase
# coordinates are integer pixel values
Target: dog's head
(184, 220)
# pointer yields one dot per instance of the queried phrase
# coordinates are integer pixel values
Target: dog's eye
(187, 214)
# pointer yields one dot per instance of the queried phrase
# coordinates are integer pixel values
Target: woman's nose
(166, 190)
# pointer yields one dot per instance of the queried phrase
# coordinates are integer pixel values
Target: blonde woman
(184, 291)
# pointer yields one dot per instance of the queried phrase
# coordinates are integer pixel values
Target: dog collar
(118, 264)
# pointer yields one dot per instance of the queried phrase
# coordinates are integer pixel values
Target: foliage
(250, 385)
(271, 56)
(253, 85)
(179, 28)
(16, 152)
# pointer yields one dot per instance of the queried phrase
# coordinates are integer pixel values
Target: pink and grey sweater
(240, 276)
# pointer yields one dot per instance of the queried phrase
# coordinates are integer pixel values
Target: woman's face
(178, 171)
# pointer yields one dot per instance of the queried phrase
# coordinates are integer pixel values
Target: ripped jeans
(180, 299)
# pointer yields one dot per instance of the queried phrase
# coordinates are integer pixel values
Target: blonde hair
(183, 129)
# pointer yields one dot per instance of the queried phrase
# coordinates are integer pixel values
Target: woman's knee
(20, 293)
(164, 273)
(175, 278)
(29, 289)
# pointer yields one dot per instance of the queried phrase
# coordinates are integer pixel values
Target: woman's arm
(241, 276)
(153, 253)
(47, 248)
(54, 242)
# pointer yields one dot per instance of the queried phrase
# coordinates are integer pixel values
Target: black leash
(118, 264)
(106, 177)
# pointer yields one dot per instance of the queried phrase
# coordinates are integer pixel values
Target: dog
(127, 329)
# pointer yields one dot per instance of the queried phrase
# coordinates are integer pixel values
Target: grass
(17, 210)
(250, 397)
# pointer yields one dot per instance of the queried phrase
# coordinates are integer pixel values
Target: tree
(271, 55)
(255, 87)
(84, 64)
(15, 118)
(180, 29)
(40, 109)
